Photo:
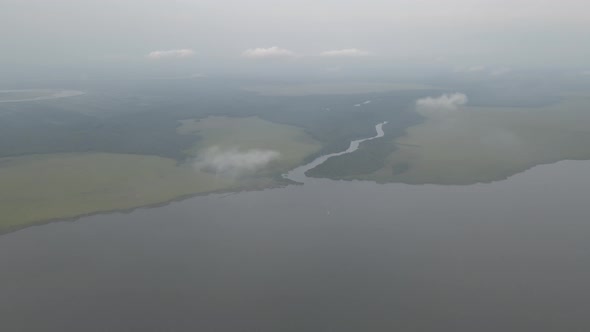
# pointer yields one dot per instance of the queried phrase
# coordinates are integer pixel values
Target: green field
(55, 186)
(60, 186)
(251, 133)
(484, 144)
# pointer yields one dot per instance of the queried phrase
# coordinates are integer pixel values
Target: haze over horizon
(294, 165)
(210, 37)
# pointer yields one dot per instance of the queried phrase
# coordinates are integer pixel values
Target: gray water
(323, 256)
(45, 95)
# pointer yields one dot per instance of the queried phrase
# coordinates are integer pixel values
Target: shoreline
(275, 185)
(282, 183)
(289, 178)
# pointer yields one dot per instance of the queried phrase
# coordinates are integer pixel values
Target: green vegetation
(56, 186)
(44, 187)
(370, 157)
(142, 117)
(41, 131)
(483, 144)
(251, 133)
(126, 144)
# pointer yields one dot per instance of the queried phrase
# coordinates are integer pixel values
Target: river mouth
(298, 174)
(327, 255)
(340, 254)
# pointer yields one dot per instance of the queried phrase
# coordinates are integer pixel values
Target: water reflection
(328, 255)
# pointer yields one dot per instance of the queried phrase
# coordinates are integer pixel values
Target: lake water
(323, 256)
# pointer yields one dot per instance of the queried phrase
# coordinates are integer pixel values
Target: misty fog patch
(234, 161)
(442, 106)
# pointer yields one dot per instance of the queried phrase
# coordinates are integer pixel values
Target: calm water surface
(323, 256)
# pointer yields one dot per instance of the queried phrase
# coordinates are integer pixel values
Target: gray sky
(210, 33)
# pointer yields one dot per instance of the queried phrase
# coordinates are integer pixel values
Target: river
(298, 174)
(322, 256)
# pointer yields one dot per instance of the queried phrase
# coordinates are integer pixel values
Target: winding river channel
(323, 256)
(298, 174)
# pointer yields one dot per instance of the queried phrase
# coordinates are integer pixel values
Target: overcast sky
(466, 33)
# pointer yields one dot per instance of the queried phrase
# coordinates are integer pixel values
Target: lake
(322, 256)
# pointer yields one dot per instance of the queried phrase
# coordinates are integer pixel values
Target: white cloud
(180, 53)
(271, 52)
(444, 105)
(234, 162)
(347, 52)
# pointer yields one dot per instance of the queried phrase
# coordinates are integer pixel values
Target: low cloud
(444, 105)
(266, 53)
(171, 54)
(347, 52)
(235, 162)
(445, 101)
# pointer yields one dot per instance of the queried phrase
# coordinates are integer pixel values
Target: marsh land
(126, 144)
(225, 241)
(471, 144)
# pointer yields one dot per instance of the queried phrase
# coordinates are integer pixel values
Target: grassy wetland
(43, 187)
(472, 144)
(121, 147)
